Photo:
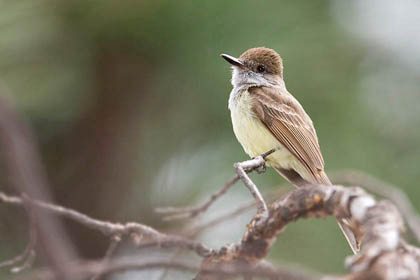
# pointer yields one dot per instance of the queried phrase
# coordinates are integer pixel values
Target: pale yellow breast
(254, 137)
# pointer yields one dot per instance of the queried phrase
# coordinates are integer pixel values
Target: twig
(173, 258)
(242, 168)
(249, 165)
(113, 245)
(195, 230)
(245, 167)
(241, 209)
(386, 190)
(190, 212)
(26, 258)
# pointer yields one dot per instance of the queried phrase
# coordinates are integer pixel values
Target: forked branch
(383, 254)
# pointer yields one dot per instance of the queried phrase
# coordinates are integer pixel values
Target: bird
(266, 116)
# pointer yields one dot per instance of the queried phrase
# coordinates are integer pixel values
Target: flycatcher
(266, 116)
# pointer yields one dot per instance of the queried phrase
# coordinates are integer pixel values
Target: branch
(383, 252)
(135, 231)
(113, 245)
(242, 168)
(26, 258)
(174, 213)
(380, 224)
(271, 196)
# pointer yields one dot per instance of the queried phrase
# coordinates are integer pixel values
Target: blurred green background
(128, 100)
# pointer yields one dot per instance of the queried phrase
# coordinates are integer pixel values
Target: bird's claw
(261, 169)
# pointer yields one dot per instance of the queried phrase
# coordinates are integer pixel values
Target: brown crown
(269, 58)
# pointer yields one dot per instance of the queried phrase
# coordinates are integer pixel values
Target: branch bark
(384, 254)
(136, 231)
(379, 223)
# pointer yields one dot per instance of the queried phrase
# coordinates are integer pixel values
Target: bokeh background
(128, 101)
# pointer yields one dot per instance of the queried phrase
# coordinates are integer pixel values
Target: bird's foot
(266, 154)
(262, 169)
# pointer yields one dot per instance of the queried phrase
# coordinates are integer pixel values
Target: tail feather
(292, 176)
(322, 178)
(351, 238)
(349, 235)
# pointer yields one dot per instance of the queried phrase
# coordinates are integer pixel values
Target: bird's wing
(285, 118)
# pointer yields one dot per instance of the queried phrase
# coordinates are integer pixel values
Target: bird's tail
(322, 178)
(351, 238)
(344, 224)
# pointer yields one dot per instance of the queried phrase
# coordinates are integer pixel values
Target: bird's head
(258, 66)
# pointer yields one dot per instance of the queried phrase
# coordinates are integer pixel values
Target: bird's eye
(260, 68)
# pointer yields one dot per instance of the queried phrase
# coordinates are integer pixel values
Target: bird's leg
(266, 154)
(263, 168)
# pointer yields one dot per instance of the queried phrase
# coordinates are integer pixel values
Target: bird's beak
(233, 60)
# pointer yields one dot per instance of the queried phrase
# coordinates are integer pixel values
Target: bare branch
(242, 168)
(174, 256)
(271, 196)
(190, 212)
(245, 167)
(383, 252)
(113, 245)
(133, 230)
(379, 223)
(249, 165)
(195, 230)
(26, 258)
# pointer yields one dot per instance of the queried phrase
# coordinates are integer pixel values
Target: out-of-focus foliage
(128, 100)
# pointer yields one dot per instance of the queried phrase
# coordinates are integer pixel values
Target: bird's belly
(256, 139)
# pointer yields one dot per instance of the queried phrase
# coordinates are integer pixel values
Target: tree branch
(26, 258)
(113, 245)
(135, 231)
(242, 169)
(174, 213)
(383, 252)
(379, 223)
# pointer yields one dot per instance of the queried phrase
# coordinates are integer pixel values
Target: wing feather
(285, 118)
